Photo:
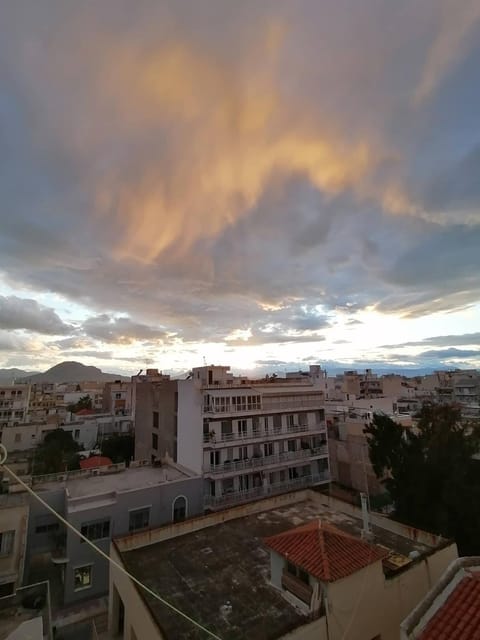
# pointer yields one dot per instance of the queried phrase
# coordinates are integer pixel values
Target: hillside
(73, 372)
(7, 376)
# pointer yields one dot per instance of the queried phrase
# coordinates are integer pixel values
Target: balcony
(239, 497)
(267, 405)
(264, 461)
(214, 440)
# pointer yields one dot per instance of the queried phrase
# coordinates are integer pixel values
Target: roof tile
(324, 551)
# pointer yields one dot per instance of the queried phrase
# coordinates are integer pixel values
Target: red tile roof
(325, 552)
(95, 461)
(85, 412)
(459, 617)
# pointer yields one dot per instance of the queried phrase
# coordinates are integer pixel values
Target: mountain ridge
(72, 371)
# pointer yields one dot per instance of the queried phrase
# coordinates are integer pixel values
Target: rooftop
(115, 478)
(220, 574)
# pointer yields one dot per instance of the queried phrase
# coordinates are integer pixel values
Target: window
(76, 434)
(242, 427)
(179, 509)
(82, 577)
(51, 527)
(292, 445)
(139, 519)
(96, 530)
(277, 423)
(118, 396)
(6, 542)
(155, 419)
(293, 570)
(154, 441)
(242, 453)
(268, 449)
(18, 437)
(290, 420)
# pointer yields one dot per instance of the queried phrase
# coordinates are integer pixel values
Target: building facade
(251, 438)
(101, 503)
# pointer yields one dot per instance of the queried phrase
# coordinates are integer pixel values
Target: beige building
(13, 534)
(301, 566)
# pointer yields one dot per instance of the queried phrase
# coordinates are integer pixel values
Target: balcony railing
(264, 461)
(237, 497)
(269, 404)
(261, 434)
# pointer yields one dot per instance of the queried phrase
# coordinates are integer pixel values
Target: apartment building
(248, 438)
(101, 503)
(14, 402)
(117, 398)
(251, 438)
(301, 566)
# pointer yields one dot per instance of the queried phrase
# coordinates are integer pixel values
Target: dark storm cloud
(23, 313)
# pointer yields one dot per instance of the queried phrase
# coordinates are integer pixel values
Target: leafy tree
(119, 448)
(57, 452)
(85, 402)
(431, 472)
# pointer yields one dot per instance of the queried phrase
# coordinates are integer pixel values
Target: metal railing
(261, 434)
(263, 461)
(268, 404)
(238, 497)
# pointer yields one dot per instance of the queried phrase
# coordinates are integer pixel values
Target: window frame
(7, 542)
(96, 523)
(84, 586)
(131, 512)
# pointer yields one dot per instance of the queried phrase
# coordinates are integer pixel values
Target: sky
(262, 184)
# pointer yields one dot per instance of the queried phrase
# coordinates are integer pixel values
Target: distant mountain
(7, 376)
(73, 372)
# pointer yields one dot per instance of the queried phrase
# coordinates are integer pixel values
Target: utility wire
(3, 458)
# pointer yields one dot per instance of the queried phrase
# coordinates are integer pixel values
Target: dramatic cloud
(247, 173)
(119, 330)
(21, 313)
(442, 341)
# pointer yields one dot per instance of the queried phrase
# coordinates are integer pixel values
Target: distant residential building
(14, 402)
(117, 398)
(301, 566)
(451, 609)
(102, 502)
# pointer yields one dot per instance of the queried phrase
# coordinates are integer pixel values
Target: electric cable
(3, 458)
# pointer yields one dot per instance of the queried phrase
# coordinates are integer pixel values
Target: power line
(3, 458)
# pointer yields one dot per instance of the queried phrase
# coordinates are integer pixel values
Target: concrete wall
(43, 542)
(156, 396)
(190, 426)
(139, 623)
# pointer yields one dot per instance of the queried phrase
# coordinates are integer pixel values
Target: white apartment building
(251, 438)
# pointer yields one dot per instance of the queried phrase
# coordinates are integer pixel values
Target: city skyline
(254, 184)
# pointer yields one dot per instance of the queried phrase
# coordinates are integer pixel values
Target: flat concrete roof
(123, 480)
(206, 572)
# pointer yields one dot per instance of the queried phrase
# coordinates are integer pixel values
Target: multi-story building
(14, 402)
(251, 438)
(248, 438)
(101, 503)
(301, 566)
(117, 397)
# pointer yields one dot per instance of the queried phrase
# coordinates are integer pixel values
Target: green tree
(57, 452)
(85, 402)
(431, 472)
(119, 448)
